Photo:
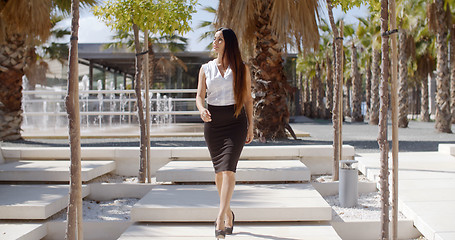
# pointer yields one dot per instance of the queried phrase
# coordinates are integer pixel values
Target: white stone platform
(22, 231)
(128, 131)
(242, 231)
(426, 189)
(33, 201)
(258, 203)
(447, 148)
(52, 171)
(247, 171)
(318, 158)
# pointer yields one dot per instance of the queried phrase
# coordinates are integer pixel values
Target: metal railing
(106, 106)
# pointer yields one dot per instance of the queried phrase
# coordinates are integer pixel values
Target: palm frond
(204, 24)
(209, 9)
(290, 21)
(209, 34)
(64, 6)
(206, 35)
(30, 17)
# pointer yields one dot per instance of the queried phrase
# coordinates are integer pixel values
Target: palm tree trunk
(269, 82)
(12, 61)
(403, 80)
(425, 105)
(368, 89)
(356, 87)
(443, 115)
(307, 98)
(329, 88)
(347, 106)
(452, 71)
(314, 96)
(140, 106)
(383, 115)
(320, 99)
(300, 89)
(75, 221)
(374, 109)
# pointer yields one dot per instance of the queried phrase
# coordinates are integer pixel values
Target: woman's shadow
(262, 236)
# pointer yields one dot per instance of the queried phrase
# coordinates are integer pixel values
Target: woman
(228, 118)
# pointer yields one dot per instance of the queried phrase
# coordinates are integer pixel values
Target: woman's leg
(225, 183)
(219, 183)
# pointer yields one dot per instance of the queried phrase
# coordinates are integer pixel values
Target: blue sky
(92, 30)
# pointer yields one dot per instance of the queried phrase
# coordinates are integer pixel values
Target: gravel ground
(113, 210)
(368, 208)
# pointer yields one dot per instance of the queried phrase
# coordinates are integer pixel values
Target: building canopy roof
(122, 59)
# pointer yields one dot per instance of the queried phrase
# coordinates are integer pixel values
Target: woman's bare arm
(249, 106)
(200, 97)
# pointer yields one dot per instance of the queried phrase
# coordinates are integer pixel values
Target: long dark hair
(234, 58)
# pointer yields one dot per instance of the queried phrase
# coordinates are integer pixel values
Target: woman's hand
(249, 135)
(206, 116)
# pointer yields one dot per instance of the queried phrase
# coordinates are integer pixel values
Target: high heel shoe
(220, 234)
(230, 229)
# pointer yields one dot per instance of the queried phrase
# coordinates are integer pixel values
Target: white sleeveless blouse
(220, 90)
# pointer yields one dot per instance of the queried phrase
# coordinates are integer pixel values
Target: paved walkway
(426, 189)
(419, 136)
(426, 177)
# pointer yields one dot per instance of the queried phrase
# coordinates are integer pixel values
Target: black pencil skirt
(225, 136)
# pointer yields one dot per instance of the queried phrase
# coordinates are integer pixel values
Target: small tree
(161, 17)
(74, 225)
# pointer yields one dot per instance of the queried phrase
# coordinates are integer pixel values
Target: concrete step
(318, 158)
(52, 171)
(22, 231)
(258, 171)
(33, 201)
(251, 203)
(447, 149)
(242, 231)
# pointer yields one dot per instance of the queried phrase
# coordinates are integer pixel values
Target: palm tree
(210, 33)
(403, 78)
(439, 22)
(314, 95)
(265, 28)
(36, 67)
(307, 98)
(425, 66)
(374, 108)
(357, 87)
(368, 87)
(413, 34)
(308, 66)
(19, 30)
(167, 43)
(328, 49)
(321, 110)
(452, 71)
(348, 31)
(347, 94)
(329, 86)
(368, 32)
(311, 66)
(424, 47)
